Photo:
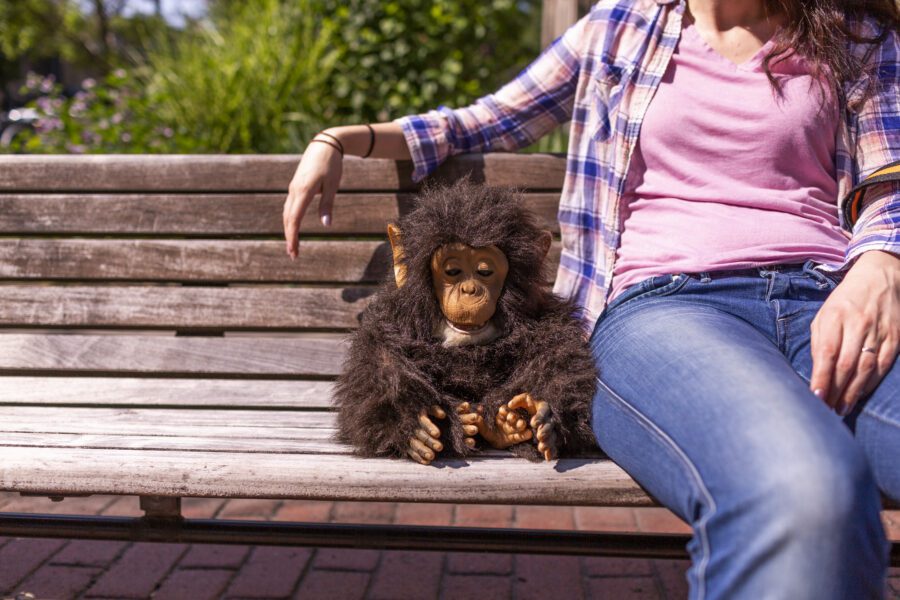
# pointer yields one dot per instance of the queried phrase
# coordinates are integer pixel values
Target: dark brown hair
(821, 31)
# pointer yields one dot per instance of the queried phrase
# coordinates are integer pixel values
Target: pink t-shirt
(724, 175)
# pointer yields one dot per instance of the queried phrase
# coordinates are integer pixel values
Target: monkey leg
(506, 432)
(542, 423)
(425, 442)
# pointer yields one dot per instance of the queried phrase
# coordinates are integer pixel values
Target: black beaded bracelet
(371, 141)
(332, 144)
(334, 138)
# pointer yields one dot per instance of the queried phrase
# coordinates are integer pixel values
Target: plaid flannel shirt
(601, 74)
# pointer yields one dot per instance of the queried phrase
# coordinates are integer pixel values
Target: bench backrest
(121, 251)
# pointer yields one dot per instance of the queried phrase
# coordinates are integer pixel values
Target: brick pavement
(50, 569)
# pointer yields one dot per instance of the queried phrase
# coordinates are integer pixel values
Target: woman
(715, 257)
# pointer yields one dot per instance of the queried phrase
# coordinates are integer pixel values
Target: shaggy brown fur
(395, 368)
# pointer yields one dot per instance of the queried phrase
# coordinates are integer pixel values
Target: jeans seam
(653, 429)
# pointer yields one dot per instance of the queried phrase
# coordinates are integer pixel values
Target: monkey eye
(485, 272)
(452, 272)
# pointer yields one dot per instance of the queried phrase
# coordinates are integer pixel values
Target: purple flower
(126, 137)
(33, 81)
(76, 148)
(117, 118)
(89, 83)
(47, 84)
(45, 105)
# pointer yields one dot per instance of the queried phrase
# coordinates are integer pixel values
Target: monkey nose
(468, 287)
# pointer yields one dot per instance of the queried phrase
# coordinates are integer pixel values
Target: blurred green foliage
(265, 75)
(402, 56)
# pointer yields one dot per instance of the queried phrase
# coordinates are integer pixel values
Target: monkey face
(468, 282)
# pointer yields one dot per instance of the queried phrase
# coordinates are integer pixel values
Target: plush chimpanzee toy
(468, 334)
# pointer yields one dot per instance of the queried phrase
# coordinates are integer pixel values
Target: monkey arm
(380, 397)
(560, 371)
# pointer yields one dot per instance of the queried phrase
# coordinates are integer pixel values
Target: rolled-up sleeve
(878, 144)
(540, 98)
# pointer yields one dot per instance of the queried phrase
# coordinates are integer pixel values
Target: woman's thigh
(701, 407)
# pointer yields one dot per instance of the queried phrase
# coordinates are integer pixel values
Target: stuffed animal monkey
(466, 342)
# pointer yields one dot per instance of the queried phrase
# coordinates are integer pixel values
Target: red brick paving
(85, 569)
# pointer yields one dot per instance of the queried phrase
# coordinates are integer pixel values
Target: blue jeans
(704, 399)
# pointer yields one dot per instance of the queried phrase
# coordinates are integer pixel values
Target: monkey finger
(422, 449)
(463, 407)
(517, 438)
(521, 425)
(544, 430)
(470, 442)
(470, 429)
(430, 427)
(469, 418)
(549, 454)
(523, 401)
(503, 411)
(511, 418)
(431, 442)
(437, 411)
(415, 456)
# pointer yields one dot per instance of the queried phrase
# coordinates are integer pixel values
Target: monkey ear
(545, 240)
(397, 247)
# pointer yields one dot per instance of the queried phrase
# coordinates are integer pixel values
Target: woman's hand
(863, 311)
(319, 172)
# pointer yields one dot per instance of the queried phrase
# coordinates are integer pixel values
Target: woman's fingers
(326, 201)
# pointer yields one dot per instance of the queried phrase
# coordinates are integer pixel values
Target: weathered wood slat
(177, 307)
(259, 173)
(249, 445)
(302, 356)
(146, 392)
(200, 260)
(212, 214)
(162, 421)
(587, 482)
(259, 445)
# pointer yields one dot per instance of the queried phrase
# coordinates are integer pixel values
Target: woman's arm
(864, 310)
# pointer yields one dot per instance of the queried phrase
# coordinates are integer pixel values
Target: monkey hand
(469, 421)
(541, 423)
(425, 442)
(510, 429)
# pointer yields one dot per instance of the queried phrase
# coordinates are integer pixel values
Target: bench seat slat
(493, 480)
(145, 392)
(165, 421)
(250, 445)
(355, 262)
(213, 214)
(259, 173)
(300, 356)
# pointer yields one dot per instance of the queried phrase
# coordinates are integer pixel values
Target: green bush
(404, 56)
(264, 76)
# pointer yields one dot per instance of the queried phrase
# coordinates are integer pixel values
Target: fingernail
(820, 393)
(326, 220)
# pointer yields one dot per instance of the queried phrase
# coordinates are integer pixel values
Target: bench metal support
(341, 535)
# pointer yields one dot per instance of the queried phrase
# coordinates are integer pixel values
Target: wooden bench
(157, 342)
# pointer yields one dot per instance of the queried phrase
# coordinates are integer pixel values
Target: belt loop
(704, 277)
